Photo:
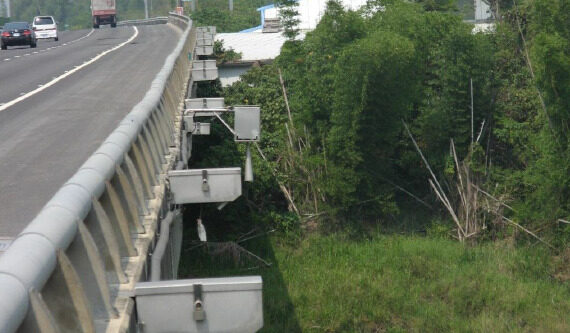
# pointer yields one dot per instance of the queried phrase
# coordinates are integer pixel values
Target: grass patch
(403, 284)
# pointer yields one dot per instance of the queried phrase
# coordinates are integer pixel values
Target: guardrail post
(147, 158)
(144, 173)
(86, 259)
(39, 319)
(167, 124)
(160, 129)
(154, 148)
(159, 139)
(101, 230)
(118, 218)
(136, 184)
(65, 296)
(129, 200)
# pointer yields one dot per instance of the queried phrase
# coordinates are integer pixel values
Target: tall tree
(289, 18)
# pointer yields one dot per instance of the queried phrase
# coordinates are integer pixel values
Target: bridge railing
(149, 21)
(70, 269)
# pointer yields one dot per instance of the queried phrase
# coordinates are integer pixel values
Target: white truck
(103, 12)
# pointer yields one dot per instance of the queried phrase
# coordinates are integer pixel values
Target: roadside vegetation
(372, 113)
(395, 283)
(386, 198)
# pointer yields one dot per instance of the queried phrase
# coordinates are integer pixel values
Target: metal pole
(8, 12)
(145, 9)
(248, 165)
(160, 249)
(231, 5)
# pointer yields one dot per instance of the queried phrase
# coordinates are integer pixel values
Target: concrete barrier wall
(73, 267)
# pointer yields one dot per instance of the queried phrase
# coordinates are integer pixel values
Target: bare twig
(481, 130)
(285, 96)
(492, 197)
(290, 137)
(450, 209)
(527, 231)
(267, 264)
(307, 136)
(235, 249)
(454, 153)
(425, 162)
(255, 236)
(408, 193)
(281, 186)
(314, 215)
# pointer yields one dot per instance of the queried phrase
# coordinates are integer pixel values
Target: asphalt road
(45, 137)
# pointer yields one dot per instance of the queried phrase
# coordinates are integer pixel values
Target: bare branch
(426, 162)
(449, 208)
(285, 96)
(492, 197)
(281, 186)
(481, 130)
(408, 193)
(527, 231)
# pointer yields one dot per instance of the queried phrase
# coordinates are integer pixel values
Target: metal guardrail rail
(149, 21)
(72, 267)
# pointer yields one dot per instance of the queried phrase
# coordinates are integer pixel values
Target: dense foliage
(335, 153)
(343, 154)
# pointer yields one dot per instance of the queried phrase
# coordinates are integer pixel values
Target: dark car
(17, 33)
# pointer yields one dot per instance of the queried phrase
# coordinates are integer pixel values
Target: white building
(482, 11)
(310, 11)
(259, 48)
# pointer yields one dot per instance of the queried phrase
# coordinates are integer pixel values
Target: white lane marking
(35, 52)
(27, 54)
(17, 56)
(61, 77)
(89, 34)
(7, 59)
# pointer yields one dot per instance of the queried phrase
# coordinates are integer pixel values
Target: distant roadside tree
(439, 5)
(289, 18)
